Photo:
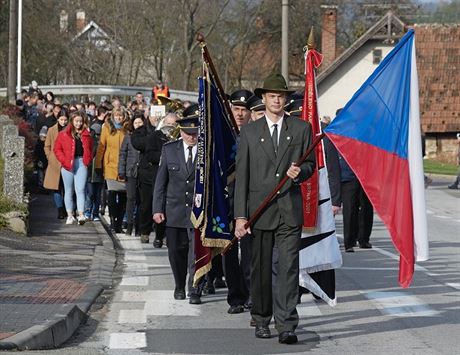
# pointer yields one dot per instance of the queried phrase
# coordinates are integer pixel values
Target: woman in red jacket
(73, 149)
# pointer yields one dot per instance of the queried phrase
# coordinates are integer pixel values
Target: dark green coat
(259, 170)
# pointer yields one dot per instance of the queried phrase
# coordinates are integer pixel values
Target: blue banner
(215, 167)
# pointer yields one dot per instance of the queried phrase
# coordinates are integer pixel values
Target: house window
(377, 56)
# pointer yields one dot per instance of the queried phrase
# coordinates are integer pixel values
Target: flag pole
(272, 194)
(207, 58)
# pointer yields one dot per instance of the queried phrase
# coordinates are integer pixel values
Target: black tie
(190, 160)
(275, 137)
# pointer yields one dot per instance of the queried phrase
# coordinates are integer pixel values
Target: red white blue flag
(378, 134)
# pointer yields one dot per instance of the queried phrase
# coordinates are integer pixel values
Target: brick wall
(438, 62)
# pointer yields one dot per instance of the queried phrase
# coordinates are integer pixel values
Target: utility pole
(284, 39)
(12, 51)
(18, 89)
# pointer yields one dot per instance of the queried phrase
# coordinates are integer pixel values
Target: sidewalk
(50, 279)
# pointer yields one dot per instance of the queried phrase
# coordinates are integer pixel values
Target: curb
(61, 327)
(115, 240)
(56, 331)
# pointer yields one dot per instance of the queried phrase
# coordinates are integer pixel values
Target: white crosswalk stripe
(127, 341)
(135, 281)
(399, 304)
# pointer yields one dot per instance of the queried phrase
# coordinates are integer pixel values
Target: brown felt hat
(274, 83)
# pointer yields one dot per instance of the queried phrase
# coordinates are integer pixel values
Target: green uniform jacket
(259, 170)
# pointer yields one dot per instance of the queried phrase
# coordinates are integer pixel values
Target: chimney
(328, 35)
(63, 21)
(81, 20)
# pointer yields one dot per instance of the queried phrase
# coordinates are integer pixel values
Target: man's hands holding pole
(240, 230)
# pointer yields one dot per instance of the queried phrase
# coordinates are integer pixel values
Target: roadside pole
(12, 51)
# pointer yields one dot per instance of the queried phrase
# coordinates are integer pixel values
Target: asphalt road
(373, 315)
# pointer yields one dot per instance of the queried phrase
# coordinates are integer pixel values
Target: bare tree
(196, 16)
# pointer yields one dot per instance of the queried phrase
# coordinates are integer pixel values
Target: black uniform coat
(174, 186)
(333, 169)
(149, 142)
(259, 170)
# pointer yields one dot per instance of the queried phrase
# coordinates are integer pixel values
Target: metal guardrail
(108, 90)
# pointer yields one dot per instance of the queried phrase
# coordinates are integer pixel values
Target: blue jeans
(75, 180)
(93, 198)
(58, 200)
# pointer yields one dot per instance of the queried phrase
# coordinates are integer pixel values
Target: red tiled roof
(438, 63)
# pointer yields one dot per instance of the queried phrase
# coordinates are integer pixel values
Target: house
(438, 63)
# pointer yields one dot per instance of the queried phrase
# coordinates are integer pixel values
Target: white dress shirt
(194, 149)
(271, 126)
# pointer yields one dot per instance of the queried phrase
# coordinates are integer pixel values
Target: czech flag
(378, 134)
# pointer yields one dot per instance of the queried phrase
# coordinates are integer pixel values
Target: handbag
(115, 185)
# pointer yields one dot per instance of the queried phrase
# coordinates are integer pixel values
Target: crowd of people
(141, 166)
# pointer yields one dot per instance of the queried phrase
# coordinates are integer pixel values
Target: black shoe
(157, 243)
(453, 187)
(219, 283)
(194, 299)
(349, 250)
(365, 245)
(262, 332)
(179, 294)
(287, 338)
(129, 229)
(209, 290)
(248, 305)
(235, 309)
(62, 213)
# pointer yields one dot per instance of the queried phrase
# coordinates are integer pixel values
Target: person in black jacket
(357, 210)
(149, 142)
(128, 163)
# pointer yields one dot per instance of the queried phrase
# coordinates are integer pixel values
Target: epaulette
(175, 141)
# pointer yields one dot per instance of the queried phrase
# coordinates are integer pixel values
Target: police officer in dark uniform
(238, 272)
(172, 202)
(256, 106)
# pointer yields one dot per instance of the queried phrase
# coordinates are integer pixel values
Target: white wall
(339, 87)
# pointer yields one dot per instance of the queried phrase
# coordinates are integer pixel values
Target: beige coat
(53, 171)
(108, 151)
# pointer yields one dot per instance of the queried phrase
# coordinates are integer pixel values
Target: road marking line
(144, 296)
(134, 257)
(369, 268)
(127, 340)
(135, 296)
(135, 281)
(132, 316)
(171, 307)
(399, 304)
(136, 266)
(454, 285)
(130, 244)
(308, 307)
(440, 216)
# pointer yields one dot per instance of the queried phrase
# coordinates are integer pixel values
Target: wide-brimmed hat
(274, 83)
